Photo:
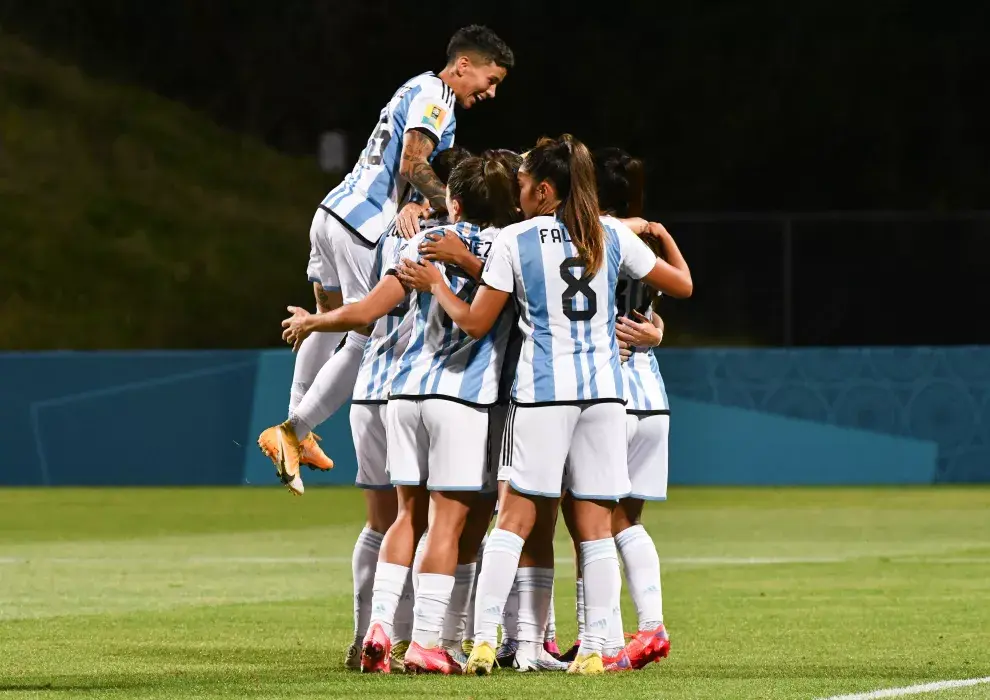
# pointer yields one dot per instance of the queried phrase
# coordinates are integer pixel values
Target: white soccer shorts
(442, 444)
(370, 445)
(339, 260)
(590, 437)
(647, 450)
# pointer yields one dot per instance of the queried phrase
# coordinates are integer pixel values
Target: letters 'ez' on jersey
(569, 352)
(390, 334)
(644, 387)
(441, 360)
(367, 199)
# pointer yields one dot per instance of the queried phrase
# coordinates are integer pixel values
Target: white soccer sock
(602, 585)
(469, 622)
(499, 569)
(433, 593)
(455, 621)
(364, 561)
(418, 560)
(312, 355)
(535, 585)
(510, 612)
(334, 384)
(403, 625)
(615, 641)
(390, 579)
(551, 633)
(579, 604)
(642, 565)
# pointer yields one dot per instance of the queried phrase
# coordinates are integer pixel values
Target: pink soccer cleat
(647, 646)
(431, 660)
(376, 654)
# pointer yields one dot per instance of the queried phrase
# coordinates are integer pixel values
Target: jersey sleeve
(636, 259)
(432, 111)
(498, 272)
(408, 250)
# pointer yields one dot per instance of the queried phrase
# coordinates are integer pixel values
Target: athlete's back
(367, 199)
(567, 318)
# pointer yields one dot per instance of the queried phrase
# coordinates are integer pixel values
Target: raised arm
(415, 167)
(671, 276)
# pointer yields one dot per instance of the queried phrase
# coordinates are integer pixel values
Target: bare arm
(386, 295)
(476, 319)
(415, 167)
(671, 276)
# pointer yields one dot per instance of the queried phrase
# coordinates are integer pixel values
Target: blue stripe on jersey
(591, 355)
(612, 248)
(639, 382)
(382, 185)
(578, 349)
(632, 386)
(477, 364)
(655, 366)
(405, 364)
(439, 362)
(534, 283)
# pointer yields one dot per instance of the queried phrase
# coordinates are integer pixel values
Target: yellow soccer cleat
(279, 443)
(398, 656)
(482, 660)
(312, 455)
(587, 665)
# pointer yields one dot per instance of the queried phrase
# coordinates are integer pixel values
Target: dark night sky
(735, 106)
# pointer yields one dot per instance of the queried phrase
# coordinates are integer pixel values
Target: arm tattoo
(416, 148)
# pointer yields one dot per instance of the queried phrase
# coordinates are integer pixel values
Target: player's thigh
(353, 261)
(597, 467)
(370, 445)
(538, 438)
(321, 269)
(407, 443)
(458, 445)
(647, 457)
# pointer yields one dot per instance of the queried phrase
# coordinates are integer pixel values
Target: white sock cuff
(531, 578)
(597, 550)
(434, 583)
(370, 538)
(391, 577)
(464, 573)
(631, 535)
(504, 541)
(356, 341)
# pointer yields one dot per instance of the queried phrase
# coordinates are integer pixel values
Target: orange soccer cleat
(280, 444)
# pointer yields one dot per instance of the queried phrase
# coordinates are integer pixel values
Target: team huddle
(491, 318)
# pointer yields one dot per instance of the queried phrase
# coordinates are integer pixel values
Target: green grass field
(245, 592)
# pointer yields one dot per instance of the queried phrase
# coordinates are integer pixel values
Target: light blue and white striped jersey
(569, 352)
(645, 391)
(367, 199)
(441, 360)
(390, 334)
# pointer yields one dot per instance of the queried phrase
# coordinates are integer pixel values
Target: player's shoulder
(616, 225)
(430, 85)
(513, 231)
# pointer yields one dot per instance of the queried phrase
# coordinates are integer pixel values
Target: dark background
(763, 107)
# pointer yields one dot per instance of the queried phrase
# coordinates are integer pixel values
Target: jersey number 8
(574, 285)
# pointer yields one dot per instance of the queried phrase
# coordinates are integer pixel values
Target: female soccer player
(561, 267)
(437, 419)
(620, 192)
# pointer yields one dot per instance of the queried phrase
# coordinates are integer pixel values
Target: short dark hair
(483, 42)
(447, 159)
(621, 182)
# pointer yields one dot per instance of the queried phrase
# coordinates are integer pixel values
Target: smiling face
(477, 80)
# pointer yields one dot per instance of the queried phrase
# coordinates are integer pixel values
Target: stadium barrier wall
(795, 416)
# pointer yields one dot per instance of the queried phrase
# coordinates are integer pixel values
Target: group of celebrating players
(494, 335)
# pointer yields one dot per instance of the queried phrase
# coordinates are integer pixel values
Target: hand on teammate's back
(407, 220)
(638, 332)
(448, 248)
(420, 275)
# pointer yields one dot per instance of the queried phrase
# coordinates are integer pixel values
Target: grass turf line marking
(911, 689)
